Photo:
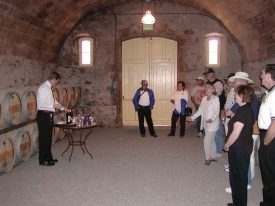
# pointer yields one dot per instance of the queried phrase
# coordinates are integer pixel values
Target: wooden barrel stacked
(7, 154)
(59, 133)
(11, 108)
(63, 94)
(71, 97)
(29, 105)
(34, 133)
(78, 95)
(23, 145)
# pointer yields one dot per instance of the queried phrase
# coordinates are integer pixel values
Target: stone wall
(111, 28)
(17, 72)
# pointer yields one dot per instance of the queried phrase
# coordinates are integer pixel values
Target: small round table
(72, 127)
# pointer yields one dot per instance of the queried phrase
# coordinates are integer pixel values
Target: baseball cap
(144, 82)
(209, 70)
(200, 77)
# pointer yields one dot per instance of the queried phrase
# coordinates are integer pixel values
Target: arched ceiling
(36, 29)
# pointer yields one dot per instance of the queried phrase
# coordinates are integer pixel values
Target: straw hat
(241, 75)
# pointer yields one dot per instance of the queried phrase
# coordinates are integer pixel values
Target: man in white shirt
(144, 101)
(46, 105)
(196, 96)
(266, 122)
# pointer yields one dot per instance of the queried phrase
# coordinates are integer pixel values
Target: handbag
(188, 111)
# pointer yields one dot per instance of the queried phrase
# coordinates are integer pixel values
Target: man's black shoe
(230, 204)
(53, 160)
(47, 164)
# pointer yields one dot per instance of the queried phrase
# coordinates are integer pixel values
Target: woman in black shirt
(239, 145)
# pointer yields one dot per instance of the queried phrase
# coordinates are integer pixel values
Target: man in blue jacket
(144, 101)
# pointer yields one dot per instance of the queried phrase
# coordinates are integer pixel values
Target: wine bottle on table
(69, 117)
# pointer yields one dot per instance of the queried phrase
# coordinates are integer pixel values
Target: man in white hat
(242, 78)
(144, 101)
(266, 122)
(196, 96)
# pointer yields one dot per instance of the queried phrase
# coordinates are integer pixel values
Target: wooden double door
(153, 59)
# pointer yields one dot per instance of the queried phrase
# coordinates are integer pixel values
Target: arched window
(86, 51)
(215, 54)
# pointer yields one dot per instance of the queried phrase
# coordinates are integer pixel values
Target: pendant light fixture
(148, 18)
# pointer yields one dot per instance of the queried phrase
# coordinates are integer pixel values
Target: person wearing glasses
(266, 123)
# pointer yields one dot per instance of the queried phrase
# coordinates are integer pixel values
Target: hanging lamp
(148, 18)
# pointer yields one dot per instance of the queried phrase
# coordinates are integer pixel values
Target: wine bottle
(69, 116)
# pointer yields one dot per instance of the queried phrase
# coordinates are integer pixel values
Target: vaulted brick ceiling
(36, 29)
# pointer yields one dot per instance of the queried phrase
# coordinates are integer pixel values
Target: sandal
(207, 162)
(168, 135)
(213, 160)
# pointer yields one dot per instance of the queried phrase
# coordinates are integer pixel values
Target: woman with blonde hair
(209, 111)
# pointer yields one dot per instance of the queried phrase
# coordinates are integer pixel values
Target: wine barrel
(11, 108)
(29, 106)
(56, 94)
(78, 95)
(59, 133)
(63, 94)
(23, 145)
(71, 97)
(7, 154)
(34, 133)
(34, 89)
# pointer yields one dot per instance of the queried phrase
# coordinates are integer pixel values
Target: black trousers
(145, 112)
(239, 159)
(174, 120)
(45, 127)
(267, 166)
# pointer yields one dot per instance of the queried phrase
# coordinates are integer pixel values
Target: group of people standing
(241, 114)
(237, 113)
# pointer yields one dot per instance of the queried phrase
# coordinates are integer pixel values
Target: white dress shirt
(45, 99)
(267, 110)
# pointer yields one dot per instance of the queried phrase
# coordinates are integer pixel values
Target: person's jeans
(249, 177)
(219, 138)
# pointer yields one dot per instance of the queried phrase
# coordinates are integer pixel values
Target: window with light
(215, 54)
(213, 51)
(86, 51)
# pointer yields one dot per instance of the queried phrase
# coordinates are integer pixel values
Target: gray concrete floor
(127, 170)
